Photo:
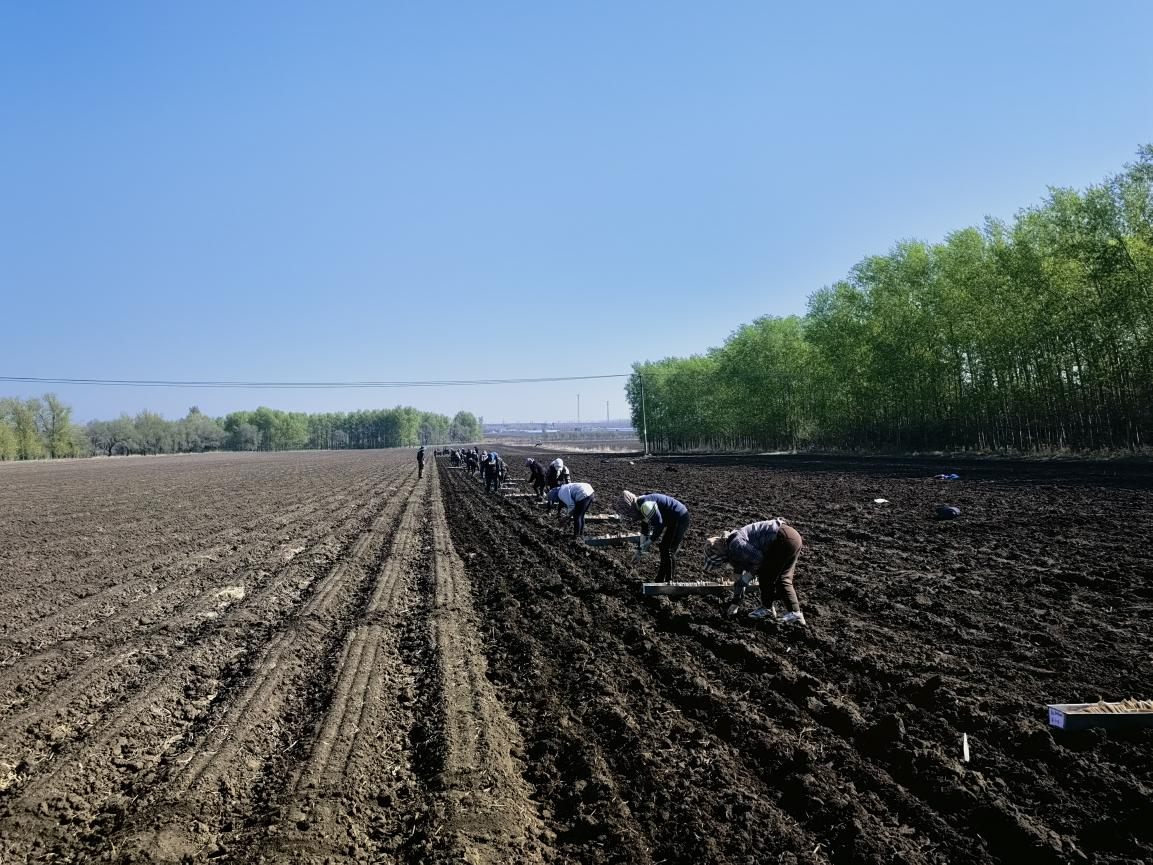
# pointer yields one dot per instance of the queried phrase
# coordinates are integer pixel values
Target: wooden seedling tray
(676, 589)
(613, 540)
(1073, 716)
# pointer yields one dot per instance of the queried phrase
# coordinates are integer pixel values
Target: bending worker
(536, 476)
(577, 498)
(558, 474)
(766, 550)
(664, 520)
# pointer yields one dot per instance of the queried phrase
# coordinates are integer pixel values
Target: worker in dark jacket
(663, 520)
(557, 474)
(420, 463)
(490, 468)
(536, 476)
(767, 551)
(576, 499)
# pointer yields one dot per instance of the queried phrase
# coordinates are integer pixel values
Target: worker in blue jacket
(663, 520)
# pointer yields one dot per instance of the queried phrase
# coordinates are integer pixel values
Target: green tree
(465, 428)
(21, 415)
(54, 421)
(1030, 335)
(8, 448)
(153, 433)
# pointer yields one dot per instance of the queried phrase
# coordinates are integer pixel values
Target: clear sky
(387, 190)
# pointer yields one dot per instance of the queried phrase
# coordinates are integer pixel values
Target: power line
(275, 385)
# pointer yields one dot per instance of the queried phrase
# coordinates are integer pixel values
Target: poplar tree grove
(1034, 335)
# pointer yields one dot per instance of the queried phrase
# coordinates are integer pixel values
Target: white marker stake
(965, 746)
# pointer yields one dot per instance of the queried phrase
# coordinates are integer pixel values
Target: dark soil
(660, 731)
(259, 658)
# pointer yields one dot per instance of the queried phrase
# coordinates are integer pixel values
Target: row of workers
(766, 551)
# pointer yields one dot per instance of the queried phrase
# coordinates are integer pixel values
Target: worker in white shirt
(576, 498)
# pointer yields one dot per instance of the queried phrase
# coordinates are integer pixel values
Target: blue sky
(350, 191)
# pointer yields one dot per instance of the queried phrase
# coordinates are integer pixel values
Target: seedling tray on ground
(612, 540)
(676, 589)
(1077, 716)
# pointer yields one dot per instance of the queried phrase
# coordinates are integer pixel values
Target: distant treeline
(39, 428)
(1035, 335)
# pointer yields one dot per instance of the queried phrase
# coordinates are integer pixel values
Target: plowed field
(319, 657)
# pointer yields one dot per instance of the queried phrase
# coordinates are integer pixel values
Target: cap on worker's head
(626, 504)
(557, 464)
(529, 461)
(554, 495)
(716, 551)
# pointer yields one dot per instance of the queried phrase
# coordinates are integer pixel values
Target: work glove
(645, 543)
(741, 583)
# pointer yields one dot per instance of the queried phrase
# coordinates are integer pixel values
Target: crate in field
(1111, 716)
(699, 587)
(613, 540)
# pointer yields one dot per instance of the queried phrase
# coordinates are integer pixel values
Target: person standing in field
(420, 463)
(489, 469)
(536, 477)
(767, 550)
(558, 474)
(663, 520)
(576, 498)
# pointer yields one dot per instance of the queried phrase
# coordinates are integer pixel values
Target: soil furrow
(53, 721)
(140, 738)
(490, 809)
(361, 790)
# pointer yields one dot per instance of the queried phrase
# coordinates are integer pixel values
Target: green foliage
(434, 428)
(8, 450)
(113, 437)
(54, 421)
(465, 428)
(1032, 336)
(154, 434)
(21, 416)
(33, 428)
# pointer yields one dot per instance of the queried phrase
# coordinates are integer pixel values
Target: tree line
(43, 428)
(1033, 335)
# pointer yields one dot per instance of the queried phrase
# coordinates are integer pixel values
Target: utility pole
(578, 409)
(644, 414)
(606, 412)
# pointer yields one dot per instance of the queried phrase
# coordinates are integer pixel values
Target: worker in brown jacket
(767, 551)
